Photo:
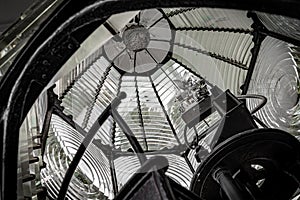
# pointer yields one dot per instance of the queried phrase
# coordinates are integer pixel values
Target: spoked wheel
(255, 164)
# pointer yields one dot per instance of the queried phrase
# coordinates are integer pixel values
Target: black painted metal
(257, 39)
(28, 177)
(56, 40)
(260, 122)
(98, 90)
(46, 123)
(85, 143)
(140, 114)
(188, 162)
(113, 155)
(113, 174)
(229, 185)
(249, 157)
(153, 24)
(255, 96)
(214, 55)
(266, 32)
(167, 75)
(215, 29)
(236, 117)
(151, 183)
(129, 135)
(54, 107)
(112, 31)
(164, 110)
(178, 11)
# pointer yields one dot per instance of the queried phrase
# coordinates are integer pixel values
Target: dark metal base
(259, 164)
(150, 182)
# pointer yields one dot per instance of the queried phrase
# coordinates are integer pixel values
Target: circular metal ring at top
(143, 45)
(136, 37)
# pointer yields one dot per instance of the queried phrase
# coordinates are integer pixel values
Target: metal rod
(255, 96)
(112, 30)
(155, 22)
(140, 114)
(177, 87)
(112, 155)
(184, 155)
(178, 11)
(98, 90)
(85, 143)
(216, 29)
(164, 110)
(151, 56)
(279, 36)
(257, 39)
(214, 55)
(113, 174)
(129, 134)
(45, 129)
(259, 121)
(73, 80)
(228, 185)
(69, 121)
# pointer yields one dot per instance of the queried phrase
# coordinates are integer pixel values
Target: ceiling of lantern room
(201, 45)
(144, 54)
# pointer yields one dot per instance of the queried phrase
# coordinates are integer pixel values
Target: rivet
(70, 46)
(46, 62)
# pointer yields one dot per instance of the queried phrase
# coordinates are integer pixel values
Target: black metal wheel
(255, 164)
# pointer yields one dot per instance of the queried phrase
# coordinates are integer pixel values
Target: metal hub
(136, 38)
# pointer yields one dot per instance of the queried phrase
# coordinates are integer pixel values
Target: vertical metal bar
(111, 158)
(113, 174)
(98, 90)
(140, 114)
(214, 29)
(257, 39)
(164, 110)
(51, 98)
(170, 78)
(229, 185)
(129, 134)
(231, 61)
(184, 155)
(45, 129)
(83, 146)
